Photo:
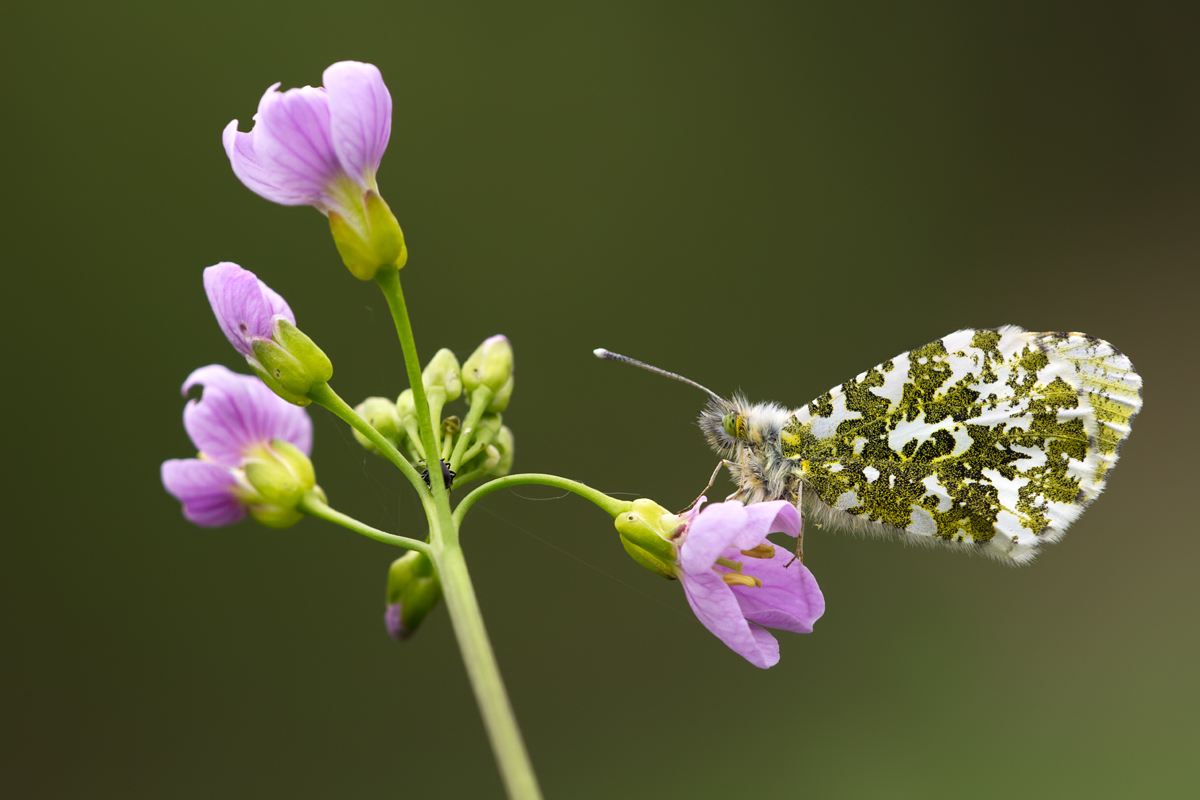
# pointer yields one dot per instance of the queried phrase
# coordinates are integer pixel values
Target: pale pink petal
(777, 516)
(238, 303)
(205, 489)
(730, 524)
(717, 609)
(278, 306)
(789, 598)
(249, 167)
(294, 145)
(237, 412)
(360, 109)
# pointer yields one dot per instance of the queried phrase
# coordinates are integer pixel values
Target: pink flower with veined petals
(316, 146)
(236, 415)
(788, 597)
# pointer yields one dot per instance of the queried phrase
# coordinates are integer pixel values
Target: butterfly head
(725, 424)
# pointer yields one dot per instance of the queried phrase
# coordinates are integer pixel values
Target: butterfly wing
(994, 439)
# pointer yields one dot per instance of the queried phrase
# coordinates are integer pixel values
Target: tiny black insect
(447, 474)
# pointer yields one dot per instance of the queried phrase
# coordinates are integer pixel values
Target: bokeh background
(765, 197)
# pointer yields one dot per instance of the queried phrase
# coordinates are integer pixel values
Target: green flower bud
(406, 407)
(368, 238)
(500, 399)
(406, 411)
(413, 590)
(646, 532)
(380, 414)
(443, 373)
(503, 445)
(491, 365)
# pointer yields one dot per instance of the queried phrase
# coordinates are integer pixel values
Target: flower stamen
(734, 579)
(761, 551)
(736, 566)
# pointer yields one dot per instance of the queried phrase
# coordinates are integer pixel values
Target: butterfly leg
(724, 463)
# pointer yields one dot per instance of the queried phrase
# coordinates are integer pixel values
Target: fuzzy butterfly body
(988, 440)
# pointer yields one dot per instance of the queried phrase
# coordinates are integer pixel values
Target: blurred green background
(766, 197)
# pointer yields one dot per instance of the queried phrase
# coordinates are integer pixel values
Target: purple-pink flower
(738, 583)
(245, 307)
(232, 423)
(318, 147)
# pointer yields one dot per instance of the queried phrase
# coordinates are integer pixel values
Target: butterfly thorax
(749, 435)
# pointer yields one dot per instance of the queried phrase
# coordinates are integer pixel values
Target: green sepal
(295, 460)
(273, 385)
(274, 516)
(287, 370)
(304, 350)
(376, 243)
(280, 475)
(501, 397)
(646, 531)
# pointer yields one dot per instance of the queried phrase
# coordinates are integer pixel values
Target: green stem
(323, 395)
(389, 282)
(482, 669)
(314, 506)
(611, 505)
(498, 717)
(478, 404)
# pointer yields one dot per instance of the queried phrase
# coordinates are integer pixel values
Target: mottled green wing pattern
(994, 438)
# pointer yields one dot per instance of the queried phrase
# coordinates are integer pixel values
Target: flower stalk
(516, 770)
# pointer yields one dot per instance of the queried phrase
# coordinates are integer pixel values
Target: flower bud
(500, 399)
(646, 531)
(380, 414)
(491, 365)
(406, 412)
(413, 590)
(503, 444)
(443, 373)
(368, 237)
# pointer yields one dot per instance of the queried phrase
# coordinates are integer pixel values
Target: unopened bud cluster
(471, 444)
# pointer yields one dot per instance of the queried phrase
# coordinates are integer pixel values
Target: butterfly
(991, 441)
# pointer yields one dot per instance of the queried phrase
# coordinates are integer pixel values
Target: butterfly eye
(730, 424)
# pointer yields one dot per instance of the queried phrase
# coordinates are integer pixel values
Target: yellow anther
(734, 579)
(762, 551)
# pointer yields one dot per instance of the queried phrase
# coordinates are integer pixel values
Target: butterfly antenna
(611, 356)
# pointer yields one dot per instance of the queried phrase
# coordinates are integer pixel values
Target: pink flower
(233, 423)
(318, 147)
(738, 583)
